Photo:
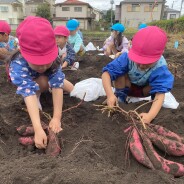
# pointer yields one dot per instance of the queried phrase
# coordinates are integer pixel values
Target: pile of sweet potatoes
(27, 138)
(141, 146)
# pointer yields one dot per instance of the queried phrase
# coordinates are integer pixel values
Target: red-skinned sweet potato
(167, 133)
(138, 151)
(53, 147)
(26, 141)
(171, 147)
(25, 130)
(161, 163)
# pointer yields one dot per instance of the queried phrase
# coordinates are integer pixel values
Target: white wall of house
(71, 11)
(173, 15)
(12, 14)
(98, 15)
(139, 15)
(82, 13)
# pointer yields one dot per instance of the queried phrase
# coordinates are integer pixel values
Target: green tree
(108, 16)
(43, 10)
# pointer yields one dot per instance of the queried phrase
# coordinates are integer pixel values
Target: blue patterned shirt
(23, 76)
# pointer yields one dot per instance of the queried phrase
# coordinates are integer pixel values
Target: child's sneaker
(75, 66)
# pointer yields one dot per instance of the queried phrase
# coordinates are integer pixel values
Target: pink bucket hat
(5, 27)
(62, 30)
(37, 41)
(148, 45)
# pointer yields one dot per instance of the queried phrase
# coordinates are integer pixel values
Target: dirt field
(93, 145)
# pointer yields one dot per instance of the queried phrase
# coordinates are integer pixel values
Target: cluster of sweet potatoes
(141, 146)
(27, 138)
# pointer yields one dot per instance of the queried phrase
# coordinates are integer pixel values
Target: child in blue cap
(74, 39)
(116, 42)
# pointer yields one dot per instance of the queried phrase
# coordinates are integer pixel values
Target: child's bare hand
(55, 125)
(40, 139)
(146, 118)
(3, 51)
(112, 101)
(118, 54)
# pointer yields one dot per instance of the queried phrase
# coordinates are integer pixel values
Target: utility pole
(181, 6)
(172, 5)
(112, 2)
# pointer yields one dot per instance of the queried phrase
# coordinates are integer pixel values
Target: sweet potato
(171, 147)
(26, 141)
(53, 148)
(167, 133)
(138, 151)
(25, 130)
(161, 163)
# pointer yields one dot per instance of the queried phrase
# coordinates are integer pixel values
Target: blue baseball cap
(118, 27)
(72, 24)
(141, 26)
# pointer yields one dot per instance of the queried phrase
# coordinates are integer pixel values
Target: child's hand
(3, 51)
(40, 139)
(146, 118)
(55, 125)
(118, 54)
(112, 101)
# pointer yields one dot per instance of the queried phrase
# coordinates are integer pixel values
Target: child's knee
(43, 83)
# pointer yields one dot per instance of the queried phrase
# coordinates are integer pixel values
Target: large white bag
(92, 87)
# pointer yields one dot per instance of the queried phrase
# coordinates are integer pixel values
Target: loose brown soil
(93, 145)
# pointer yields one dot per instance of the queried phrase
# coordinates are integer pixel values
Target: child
(79, 31)
(116, 43)
(141, 26)
(74, 38)
(66, 52)
(141, 72)
(7, 43)
(36, 68)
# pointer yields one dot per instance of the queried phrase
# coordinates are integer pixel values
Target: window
(78, 9)
(135, 7)
(172, 16)
(65, 8)
(151, 7)
(11, 20)
(15, 9)
(3, 8)
(33, 10)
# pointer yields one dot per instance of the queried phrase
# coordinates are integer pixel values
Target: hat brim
(60, 34)
(41, 59)
(71, 29)
(142, 59)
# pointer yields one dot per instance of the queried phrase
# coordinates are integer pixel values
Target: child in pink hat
(65, 50)
(8, 43)
(36, 68)
(141, 72)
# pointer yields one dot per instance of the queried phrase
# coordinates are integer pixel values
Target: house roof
(142, 1)
(9, 1)
(171, 10)
(73, 2)
(35, 1)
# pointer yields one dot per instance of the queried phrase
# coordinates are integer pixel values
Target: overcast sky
(105, 4)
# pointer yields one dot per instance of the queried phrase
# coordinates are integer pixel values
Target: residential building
(170, 13)
(79, 10)
(98, 14)
(134, 12)
(12, 12)
(31, 6)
